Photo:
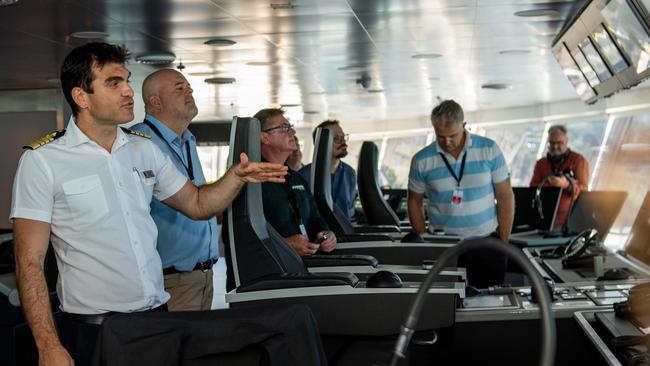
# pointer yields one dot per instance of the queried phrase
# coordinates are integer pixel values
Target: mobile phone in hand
(321, 239)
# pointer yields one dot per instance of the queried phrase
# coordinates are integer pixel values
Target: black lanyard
(462, 168)
(293, 206)
(188, 168)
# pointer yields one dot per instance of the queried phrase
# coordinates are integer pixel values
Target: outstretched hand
(251, 172)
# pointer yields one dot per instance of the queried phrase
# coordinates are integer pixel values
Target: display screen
(586, 68)
(594, 60)
(628, 32)
(573, 73)
(638, 243)
(609, 50)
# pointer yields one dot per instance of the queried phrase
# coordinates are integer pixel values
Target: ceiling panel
(352, 58)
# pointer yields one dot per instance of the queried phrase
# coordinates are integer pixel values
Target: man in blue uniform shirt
(188, 248)
(344, 179)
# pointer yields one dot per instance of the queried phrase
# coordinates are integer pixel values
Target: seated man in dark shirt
(290, 207)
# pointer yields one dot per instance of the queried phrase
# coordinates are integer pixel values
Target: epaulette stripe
(137, 133)
(44, 140)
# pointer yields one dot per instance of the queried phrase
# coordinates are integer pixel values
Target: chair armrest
(295, 280)
(377, 229)
(349, 238)
(333, 260)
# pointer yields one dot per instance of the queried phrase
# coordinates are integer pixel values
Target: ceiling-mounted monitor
(609, 49)
(574, 74)
(628, 32)
(585, 67)
(595, 60)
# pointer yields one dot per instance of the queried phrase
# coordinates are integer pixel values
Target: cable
(547, 353)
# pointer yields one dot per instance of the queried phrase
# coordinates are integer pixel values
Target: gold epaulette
(137, 133)
(44, 140)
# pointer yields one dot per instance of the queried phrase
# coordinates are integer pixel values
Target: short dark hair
(265, 115)
(557, 128)
(448, 110)
(76, 70)
(323, 124)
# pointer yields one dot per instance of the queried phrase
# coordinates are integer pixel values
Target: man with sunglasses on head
(344, 178)
(562, 168)
(290, 207)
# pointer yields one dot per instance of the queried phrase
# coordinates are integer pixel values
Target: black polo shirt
(278, 209)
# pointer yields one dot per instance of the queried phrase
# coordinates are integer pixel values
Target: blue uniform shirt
(182, 242)
(344, 186)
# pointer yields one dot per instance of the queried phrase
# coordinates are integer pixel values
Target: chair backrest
(375, 209)
(321, 184)
(252, 251)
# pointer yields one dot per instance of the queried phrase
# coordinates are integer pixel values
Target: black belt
(203, 266)
(98, 319)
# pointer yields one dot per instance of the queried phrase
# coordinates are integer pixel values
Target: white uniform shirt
(98, 206)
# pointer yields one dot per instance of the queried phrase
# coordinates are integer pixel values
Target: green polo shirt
(278, 210)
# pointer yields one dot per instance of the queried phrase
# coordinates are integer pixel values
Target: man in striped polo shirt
(461, 174)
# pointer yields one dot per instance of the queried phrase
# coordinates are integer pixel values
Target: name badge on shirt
(148, 174)
(457, 197)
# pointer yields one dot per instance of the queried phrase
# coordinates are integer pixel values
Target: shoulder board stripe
(44, 140)
(136, 133)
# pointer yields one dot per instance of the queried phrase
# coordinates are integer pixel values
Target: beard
(559, 153)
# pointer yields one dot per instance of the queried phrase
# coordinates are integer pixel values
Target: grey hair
(448, 112)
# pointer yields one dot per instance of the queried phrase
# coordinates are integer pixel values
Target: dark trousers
(79, 334)
(484, 267)
(79, 339)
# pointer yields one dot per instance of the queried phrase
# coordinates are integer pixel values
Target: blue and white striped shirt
(485, 166)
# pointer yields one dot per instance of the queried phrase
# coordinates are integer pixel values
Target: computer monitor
(527, 207)
(638, 243)
(595, 210)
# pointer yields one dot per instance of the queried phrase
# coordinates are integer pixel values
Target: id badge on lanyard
(303, 230)
(457, 197)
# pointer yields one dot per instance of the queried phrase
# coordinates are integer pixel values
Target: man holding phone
(290, 207)
(562, 168)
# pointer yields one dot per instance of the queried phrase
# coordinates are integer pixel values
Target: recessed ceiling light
(219, 42)
(7, 2)
(357, 67)
(220, 80)
(287, 5)
(156, 58)
(427, 55)
(496, 86)
(537, 13)
(514, 52)
(89, 35)
(261, 63)
(202, 73)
